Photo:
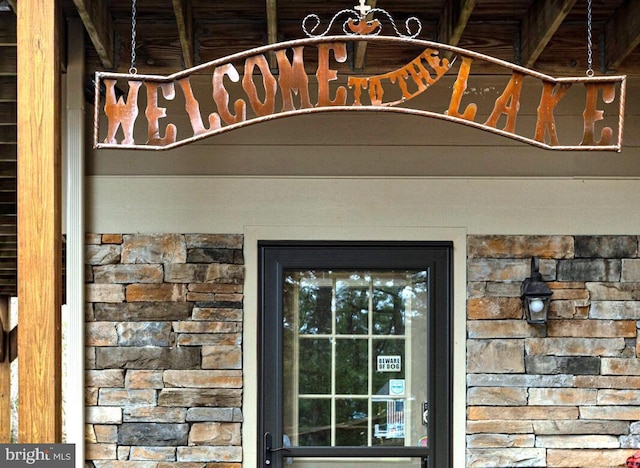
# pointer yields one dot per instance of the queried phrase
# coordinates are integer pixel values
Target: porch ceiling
(547, 35)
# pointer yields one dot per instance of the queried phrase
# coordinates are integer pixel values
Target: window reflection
(355, 359)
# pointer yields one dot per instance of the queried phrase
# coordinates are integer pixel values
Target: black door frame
(277, 256)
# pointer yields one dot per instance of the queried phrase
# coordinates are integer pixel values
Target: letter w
(121, 113)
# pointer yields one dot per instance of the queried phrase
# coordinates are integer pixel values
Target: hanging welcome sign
(245, 89)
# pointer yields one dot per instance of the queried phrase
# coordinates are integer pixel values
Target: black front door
(355, 354)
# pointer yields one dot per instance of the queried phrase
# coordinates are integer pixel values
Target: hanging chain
(589, 41)
(133, 70)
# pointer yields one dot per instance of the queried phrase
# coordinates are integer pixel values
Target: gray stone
(147, 358)
(157, 414)
(210, 454)
(497, 355)
(158, 434)
(103, 415)
(634, 428)
(128, 273)
(218, 314)
(521, 380)
(204, 273)
(490, 269)
(585, 442)
(630, 270)
(102, 254)
(577, 365)
(104, 378)
(166, 454)
(506, 457)
(220, 305)
(632, 441)
(210, 414)
(144, 334)
(101, 292)
(211, 241)
(191, 397)
(580, 426)
(568, 346)
(143, 311)
(605, 246)
(210, 256)
(511, 289)
(589, 270)
(123, 398)
(101, 334)
(500, 440)
(612, 291)
(615, 310)
(476, 289)
(497, 396)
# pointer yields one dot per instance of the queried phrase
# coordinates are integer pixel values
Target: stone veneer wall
(564, 395)
(164, 350)
(164, 355)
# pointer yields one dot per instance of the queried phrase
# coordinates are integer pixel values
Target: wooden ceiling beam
(184, 20)
(622, 34)
(272, 29)
(97, 21)
(453, 20)
(539, 25)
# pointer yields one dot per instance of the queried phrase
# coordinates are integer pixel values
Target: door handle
(267, 445)
(268, 450)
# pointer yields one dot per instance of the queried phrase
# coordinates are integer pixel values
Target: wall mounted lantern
(536, 295)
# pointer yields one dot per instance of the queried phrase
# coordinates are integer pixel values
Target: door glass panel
(355, 359)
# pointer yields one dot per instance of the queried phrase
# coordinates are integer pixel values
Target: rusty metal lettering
(357, 84)
(459, 87)
(419, 73)
(293, 79)
(546, 122)
(421, 76)
(508, 104)
(261, 88)
(415, 69)
(376, 90)
(269, 84)
(121, 113)
(591, 114)
(221, 95)
(399, 77)
(154, 113)
(438, 64)
(325, 74)
(192, 107)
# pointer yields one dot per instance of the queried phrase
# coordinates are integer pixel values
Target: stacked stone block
(562, 395)
(164, 350)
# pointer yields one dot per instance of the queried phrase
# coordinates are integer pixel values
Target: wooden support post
(5, 376)
(39, 233)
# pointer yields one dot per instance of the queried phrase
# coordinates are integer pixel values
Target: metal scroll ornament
(360, 21)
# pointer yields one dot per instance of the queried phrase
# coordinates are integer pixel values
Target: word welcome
(261, 94)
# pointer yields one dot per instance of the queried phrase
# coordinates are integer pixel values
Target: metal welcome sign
(245, 89)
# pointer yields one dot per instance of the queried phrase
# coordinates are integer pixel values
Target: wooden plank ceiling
(547, 35)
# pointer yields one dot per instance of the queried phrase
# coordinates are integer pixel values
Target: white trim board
(253, 234)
